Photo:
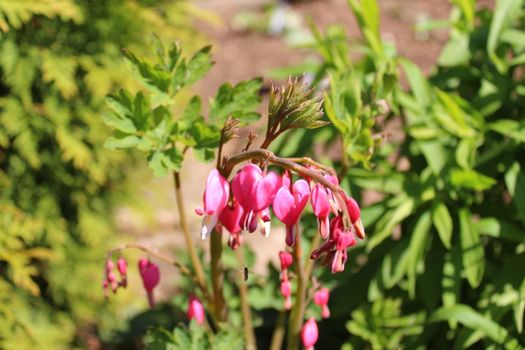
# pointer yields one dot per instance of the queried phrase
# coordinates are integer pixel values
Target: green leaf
(199, 65)
(417, 249)
(239, 101)
(472, 319)
(154, 79)
(443, 223)
(115, 121)
(470, 179)
(499, 228)
(472, 249)
(455, 52)
(510, 128)
(519, 308)
(435, 155)
(193, 110)
(418, 83)
(451, 280)
(505, 12)
(515, 181)
(389, 221)
(127, 141)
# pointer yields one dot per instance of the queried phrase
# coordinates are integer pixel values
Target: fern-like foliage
(58, 59)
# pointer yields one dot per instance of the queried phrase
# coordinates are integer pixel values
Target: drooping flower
(309, 334)
(333, 251)
(122, 267)
(286, 292)
(355, 216)
(230, 218)
(215, 199)
(110, 279)
(321, 206)
(196, 310)
(288, 206)
(321, 298)
(286, 260)
(255, 192)
(150, 274)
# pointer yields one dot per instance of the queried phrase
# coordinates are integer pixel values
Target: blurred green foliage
(58, 60)
(442, 266)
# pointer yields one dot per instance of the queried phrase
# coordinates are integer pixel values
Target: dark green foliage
(445, 242)
(58, 59)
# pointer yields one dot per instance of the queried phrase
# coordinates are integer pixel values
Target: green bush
(58, 184)
(443, 263)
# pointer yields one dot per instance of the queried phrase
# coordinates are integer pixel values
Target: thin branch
(296, 316)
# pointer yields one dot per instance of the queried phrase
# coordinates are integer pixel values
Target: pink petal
(320, 202)
(283, 205)
(216, 193)
(266, 189)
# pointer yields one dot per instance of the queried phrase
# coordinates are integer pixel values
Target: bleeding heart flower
(321, 298)
(122, 267)
(309, 334)
(215, 198)
(355, 216)
(286, 260)
(255, 192)
(288, 206)
(196, 310)
(150, 274)
(286, 292)
(334, 251)
(230, 218)
(321, 206)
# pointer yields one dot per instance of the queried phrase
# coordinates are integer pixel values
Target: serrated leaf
(240, 101)
(443, 223)
(199, 65)
(192, 110)
(119, 123)
(472, 250)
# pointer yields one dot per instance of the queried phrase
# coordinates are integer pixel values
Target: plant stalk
(197, 266)
(296, 316)
(217, 277)
(279, 331)
(249, 333)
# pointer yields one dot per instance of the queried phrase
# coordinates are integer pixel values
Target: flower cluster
(244, 205)
(286, 288)
(110, 279)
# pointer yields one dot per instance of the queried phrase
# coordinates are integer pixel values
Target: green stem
(217, 277)
(249, 333)
(296, 316)
(197, 266)
(279, 331)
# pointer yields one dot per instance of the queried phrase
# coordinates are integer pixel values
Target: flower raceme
(254, 192)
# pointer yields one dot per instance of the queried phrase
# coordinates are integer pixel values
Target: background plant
(447, 235)
(58, 60)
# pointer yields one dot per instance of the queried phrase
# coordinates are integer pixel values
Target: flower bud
(196, 310)
(321, 298)
(286, 260)
(309, 334)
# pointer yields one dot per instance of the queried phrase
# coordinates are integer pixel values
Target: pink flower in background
(321, 206)
(215, 199)
(110, 279)
(230, 218)
(150, 274)
(355, 216)
(196, 310)
(286, 292)
(309, 334)
(288, 206)
(122, 267)
(255, 192)
(286, 260)
(321, 298)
